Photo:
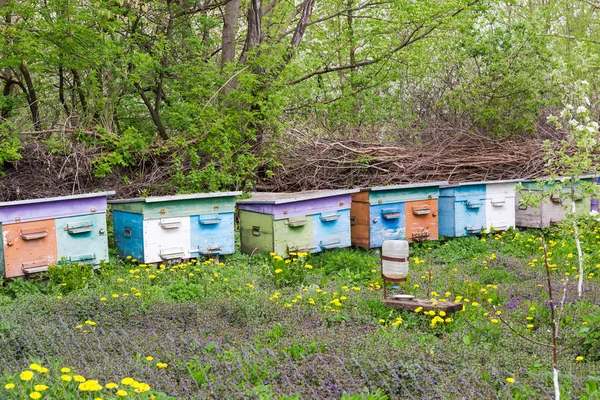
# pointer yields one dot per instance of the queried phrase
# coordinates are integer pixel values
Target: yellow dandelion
(26, 375)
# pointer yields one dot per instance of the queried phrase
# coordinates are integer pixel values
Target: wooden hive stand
(413, 304)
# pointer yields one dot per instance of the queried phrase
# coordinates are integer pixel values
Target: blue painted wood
(446, 225)
(386, 223)
(212, 234)
(466, 215)
(129, 234)
(331, 230)
(82, 239)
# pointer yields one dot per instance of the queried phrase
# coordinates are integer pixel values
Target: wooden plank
(87, 246)
(178, 208)
(359, 229)
(129, 234)
(22, 211)
(166, 237)
(300, 208)
(283, 198)
(212, 234)
(419, 225)
(428, 305)
(331, 233)
(259, 239)
(293, 237)
(402, 195)
(362, 197)
(386, 223)
(23, 248)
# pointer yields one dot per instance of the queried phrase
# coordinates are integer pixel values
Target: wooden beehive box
(462, 209)
(395, 212)
(156, 229)
(551, 210)
(282, 222)
(500, 204)
(41, 232)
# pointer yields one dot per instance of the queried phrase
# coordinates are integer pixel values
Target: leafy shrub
(70, 276)
(21, 287)
(183, 291)
(353, 266)
(9, 144)
(590, 333)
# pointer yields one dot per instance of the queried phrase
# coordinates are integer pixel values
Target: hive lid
(560, 178)
(404, 186)
(158, 199)
(282, 198)
(59, 198)
(482, 183)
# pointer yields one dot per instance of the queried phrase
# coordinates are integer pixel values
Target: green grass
(236, 329)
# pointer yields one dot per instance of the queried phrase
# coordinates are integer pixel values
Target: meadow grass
(312, 327)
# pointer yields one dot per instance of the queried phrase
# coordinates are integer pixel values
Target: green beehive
(283, 222)
(551, 210)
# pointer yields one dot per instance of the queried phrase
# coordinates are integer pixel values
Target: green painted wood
(533, 185)
(260, 233)
(1, 252)
(256, 232)
(403, 195)
(178, 208)
(293, 234)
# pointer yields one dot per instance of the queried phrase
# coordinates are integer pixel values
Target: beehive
(156, 229)
(395, 212)
(552, 209)
(594, 201)
(500, 204)
(462, 209)
(41, 232)
(282, 222)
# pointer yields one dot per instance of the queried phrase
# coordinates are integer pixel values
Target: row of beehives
(42, 232)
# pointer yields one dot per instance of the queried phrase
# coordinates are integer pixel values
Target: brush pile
(328, 164)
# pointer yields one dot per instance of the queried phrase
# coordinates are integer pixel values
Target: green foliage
(125, 151)
(590, 334)
(352, 266)
(288, 272)
(366, 394)
(70, 276)
(9, 144)
(20, 288)
(184, 291)
(199, 371)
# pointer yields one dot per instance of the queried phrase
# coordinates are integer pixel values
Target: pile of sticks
(318, 163)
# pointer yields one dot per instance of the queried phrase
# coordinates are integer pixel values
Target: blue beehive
(462, 209)
(156, 229)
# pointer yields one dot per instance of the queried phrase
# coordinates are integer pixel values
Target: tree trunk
(253, 36)
(153, 113)
(32, 99)
(61, 89)
(230, 21)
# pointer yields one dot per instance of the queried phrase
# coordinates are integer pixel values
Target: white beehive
(394, 259)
